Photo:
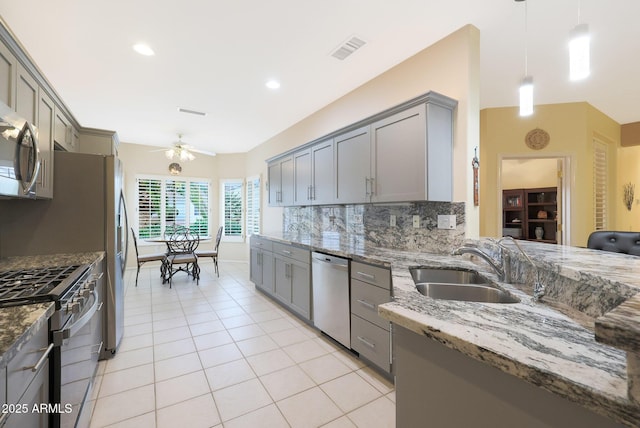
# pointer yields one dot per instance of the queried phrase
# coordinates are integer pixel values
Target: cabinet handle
(42, 359)
(366, 275)
(286, 252)
(309, 193)
(371, 185)
(366, 186)
(287, 270)
(367, 304)
(259, 259)
(366, 342)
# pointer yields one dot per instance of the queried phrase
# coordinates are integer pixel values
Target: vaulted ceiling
(215, 57)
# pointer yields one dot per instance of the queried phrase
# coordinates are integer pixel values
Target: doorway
(538, 172)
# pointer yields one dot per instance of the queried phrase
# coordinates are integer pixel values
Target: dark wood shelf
(529, 203)
(541, 220)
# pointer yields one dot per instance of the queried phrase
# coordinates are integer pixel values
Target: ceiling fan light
(526, 96)
(169, 153)
(579, 52)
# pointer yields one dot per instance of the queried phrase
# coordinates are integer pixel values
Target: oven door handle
(74, 328)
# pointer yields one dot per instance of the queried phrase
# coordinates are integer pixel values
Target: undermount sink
(458, 284)
(465, 292)
(449, 276)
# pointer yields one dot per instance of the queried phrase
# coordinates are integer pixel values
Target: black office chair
(181, 256)
(213, 253)
(155, 257)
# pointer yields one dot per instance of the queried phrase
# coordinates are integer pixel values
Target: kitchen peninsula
(547, 346)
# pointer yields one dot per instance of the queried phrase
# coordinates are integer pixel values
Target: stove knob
(90, 285)
(79, 300)
(85, 293)
(73, 308)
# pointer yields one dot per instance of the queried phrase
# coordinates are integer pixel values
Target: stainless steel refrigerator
(87, 213)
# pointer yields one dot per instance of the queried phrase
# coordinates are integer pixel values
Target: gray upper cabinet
(353, 166)
(281, 184)
(46, 119)
(8, 73)
(398, 156)
(27, 95)
(302, 177)
(402, 154)
(322, 176)
(63, 130)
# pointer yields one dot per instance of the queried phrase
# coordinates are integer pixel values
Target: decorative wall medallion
(537, 139)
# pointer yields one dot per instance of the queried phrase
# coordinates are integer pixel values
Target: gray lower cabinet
(448, 389)
(28, 383)
(370, 333)
(261, 264)
(284, 272)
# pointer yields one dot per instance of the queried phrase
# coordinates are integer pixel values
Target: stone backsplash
(371, 224)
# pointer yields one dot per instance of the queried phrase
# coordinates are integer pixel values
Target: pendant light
(579, 51)
(526, 86)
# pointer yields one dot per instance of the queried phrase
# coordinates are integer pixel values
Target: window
(253, 205)
(600, 172)
(231, 204)
(166, 202)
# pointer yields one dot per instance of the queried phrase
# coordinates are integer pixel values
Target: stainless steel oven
(19, 155)
(76, 332)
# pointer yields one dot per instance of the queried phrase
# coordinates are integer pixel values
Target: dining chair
(213, 253)
(181, 256)
(155, 257)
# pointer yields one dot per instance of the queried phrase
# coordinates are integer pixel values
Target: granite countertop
(19, 323)
(549, 345)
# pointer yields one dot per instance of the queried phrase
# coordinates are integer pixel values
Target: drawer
(262, 243)
(371, 274)
(290, 251)
(365, 299)
(19, 375)
(371, 342)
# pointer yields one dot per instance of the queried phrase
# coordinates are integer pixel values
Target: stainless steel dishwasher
(331, 312)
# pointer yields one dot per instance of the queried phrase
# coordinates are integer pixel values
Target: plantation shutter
(232, 191)
(253, 206)
(199, 208)
(149, 208)
(175, 205)
(600, 172)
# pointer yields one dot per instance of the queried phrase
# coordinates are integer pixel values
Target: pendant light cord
(526, 40)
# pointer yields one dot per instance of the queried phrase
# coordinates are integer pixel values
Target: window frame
(164, 180)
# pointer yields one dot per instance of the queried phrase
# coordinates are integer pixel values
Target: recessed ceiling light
(272, 84)
(143, 49)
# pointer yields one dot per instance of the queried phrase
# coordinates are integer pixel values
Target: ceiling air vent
(197, 113)
(348, 47)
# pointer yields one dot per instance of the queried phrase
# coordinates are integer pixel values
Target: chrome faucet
(538, 286)
(477, 252)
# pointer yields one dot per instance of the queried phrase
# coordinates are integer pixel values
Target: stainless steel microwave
(19, 155)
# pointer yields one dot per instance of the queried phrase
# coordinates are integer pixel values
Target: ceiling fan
(182, 151)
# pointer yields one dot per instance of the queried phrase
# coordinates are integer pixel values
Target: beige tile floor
(222, 355)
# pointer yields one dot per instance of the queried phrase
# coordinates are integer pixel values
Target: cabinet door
(322, 185)
(62, 130)
(282, 275)
(46, 117)
(267, 261)
(255, 267)
(8, 73)
(286, 168)
(399, 156)
(302, 177)
(26, 95)
(301, 288)
(439, 153)
(352, 166)
(275, 183)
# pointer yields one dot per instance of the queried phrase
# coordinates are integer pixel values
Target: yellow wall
(628, 172)
(450, 67)
(529, 173)
(572, 128)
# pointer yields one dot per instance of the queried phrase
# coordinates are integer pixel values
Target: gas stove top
(19, 287)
